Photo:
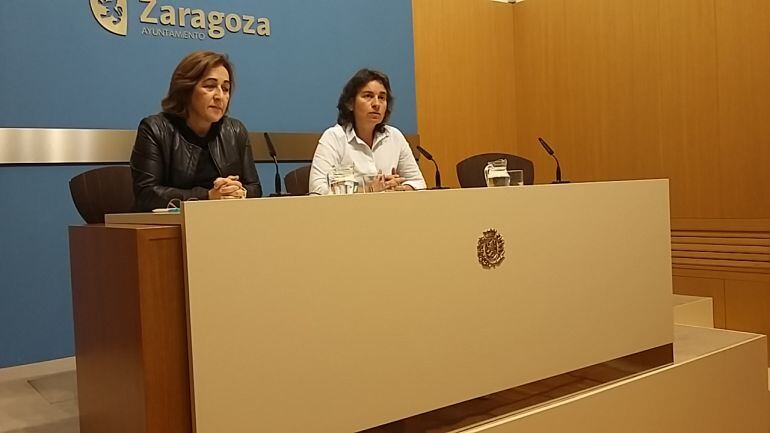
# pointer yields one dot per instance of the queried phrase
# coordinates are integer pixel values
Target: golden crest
(112, 15)
(491, 249)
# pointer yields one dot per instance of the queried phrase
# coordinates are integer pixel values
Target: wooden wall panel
(747, 306)
(744, 106)
(621, 89)
(730, 250)
(689, 133)
(540, 35)
(465, 80)
(627, 90)
(598, 101)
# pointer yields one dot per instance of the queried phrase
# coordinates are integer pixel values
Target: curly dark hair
(354, 85)
(188, 72)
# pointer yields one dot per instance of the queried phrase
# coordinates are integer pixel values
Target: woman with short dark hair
(192, 149)
(363, 139)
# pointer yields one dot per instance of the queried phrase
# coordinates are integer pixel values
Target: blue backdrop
(61, 69)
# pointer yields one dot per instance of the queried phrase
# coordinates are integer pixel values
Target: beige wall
(622, 90)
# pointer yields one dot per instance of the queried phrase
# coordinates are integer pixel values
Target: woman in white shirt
(362, 138)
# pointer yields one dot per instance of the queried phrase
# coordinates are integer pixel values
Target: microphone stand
(274, 155)
(277, 178)
(558, 172)
(427, 155)
(438, 176)
(553, 154)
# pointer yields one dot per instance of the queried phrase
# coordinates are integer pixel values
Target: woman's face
(211, 96)
(370, 104)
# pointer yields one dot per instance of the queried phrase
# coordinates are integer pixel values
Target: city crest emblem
(112, 15)
(491, 249)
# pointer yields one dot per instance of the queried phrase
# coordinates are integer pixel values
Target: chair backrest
(297, 181)
(102, 191)
(470, 171)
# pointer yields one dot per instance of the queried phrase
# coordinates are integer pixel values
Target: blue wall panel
(35, 296)
(61, 69)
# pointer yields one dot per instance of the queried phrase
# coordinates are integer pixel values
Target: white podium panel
(342, 313)
(715, 386)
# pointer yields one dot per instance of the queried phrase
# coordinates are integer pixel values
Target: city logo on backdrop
(109, 14)
(176, 22)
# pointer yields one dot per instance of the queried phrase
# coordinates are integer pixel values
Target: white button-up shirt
(340, 146)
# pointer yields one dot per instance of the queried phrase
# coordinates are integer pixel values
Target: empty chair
(102, 191)
(470, 171)
(297, 181)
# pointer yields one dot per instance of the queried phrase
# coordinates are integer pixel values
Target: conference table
(376, 312)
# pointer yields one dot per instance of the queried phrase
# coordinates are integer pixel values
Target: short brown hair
(187, 74)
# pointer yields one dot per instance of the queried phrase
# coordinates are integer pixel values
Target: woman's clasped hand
(227, 187)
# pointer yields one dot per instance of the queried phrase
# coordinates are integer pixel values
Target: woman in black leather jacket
(192, 149)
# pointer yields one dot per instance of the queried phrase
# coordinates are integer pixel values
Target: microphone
(427, 155)
(274, 155)
(552, 153)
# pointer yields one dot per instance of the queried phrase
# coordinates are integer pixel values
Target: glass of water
(517, 177)
(374, 182)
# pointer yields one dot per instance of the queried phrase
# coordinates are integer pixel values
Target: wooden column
(130, 329)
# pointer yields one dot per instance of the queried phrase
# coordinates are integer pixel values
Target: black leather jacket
(163, 162)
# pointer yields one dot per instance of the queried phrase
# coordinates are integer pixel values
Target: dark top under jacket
(170, 161)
